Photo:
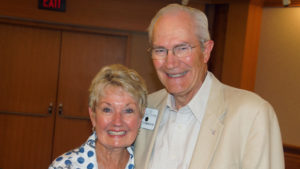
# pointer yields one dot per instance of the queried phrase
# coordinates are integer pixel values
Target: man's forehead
(174, 15)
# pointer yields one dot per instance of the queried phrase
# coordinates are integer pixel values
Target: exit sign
(56, 5)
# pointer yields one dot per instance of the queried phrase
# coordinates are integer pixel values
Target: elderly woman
(116, 105)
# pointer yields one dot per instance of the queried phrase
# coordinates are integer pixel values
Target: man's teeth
(177, 75)
(116, 133)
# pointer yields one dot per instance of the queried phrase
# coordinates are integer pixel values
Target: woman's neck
(111, 158)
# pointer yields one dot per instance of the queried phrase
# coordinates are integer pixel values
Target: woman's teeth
(116, 133)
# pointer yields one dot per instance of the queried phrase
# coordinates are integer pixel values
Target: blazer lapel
(211, 128)
(144, 147)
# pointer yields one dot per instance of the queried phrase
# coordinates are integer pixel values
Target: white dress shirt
(178, 131)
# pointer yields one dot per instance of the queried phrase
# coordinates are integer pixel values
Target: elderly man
(197, 122)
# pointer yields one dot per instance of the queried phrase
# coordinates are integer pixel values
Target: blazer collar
(211, 128)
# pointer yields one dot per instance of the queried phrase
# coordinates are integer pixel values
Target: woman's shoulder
(82, 157)
(65, 160)
(77, 158)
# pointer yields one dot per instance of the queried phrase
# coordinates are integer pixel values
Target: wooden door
(82, 56)
(28, 85)
(217, 18)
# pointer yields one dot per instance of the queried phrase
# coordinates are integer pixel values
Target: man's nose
(171, 60)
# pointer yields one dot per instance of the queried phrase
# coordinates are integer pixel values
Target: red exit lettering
(52, 4)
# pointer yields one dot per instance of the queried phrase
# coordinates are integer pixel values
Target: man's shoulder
(158, 93)
(157, 97)
(234, 94)
(246, 102)
(242, 94)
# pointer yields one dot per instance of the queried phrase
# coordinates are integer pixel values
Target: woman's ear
(92, 117)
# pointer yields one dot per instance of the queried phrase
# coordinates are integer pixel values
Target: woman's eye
(129, 110)
(106, 109)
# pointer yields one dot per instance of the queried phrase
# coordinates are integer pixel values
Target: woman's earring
(93, 129)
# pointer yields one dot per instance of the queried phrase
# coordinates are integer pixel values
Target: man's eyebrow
(154, 46)
(181, 44)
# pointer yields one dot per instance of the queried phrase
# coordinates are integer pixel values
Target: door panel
(217, 18)
(29, 71)
(25, 141)
(70, 133)
(82, 56)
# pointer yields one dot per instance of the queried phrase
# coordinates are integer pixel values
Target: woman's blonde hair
(120, 76)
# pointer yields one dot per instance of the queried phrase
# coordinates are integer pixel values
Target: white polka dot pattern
(84, 157)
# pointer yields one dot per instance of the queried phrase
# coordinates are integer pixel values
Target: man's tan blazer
(239, 131)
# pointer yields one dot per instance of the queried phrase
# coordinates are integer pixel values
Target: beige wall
(278, 68)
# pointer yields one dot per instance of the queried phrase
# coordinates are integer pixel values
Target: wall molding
(292, 149)
(291, 156)
(278, 3)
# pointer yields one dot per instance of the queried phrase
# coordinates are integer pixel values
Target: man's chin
(174, 92)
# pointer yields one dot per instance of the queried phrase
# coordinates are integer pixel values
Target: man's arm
(264, 146)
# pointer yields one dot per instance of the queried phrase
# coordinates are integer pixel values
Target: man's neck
(182, 99)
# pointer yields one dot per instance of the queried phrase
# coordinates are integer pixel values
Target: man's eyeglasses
(180, 51)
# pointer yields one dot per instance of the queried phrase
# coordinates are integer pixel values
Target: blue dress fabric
(84, 157)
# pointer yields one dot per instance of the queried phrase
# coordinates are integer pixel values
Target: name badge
(149, 119)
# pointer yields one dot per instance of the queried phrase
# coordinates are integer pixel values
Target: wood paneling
(134, 15)
(42, 66)
(26, 81)
(24, 141)
(82, 56)
(241, 46)
(291, 149)
(69, 134)
(116, 14)
(234, 44)
(140, 60)
(250, 53)
(292, 157)
(292, 161)
(217, 17)
(28, 71)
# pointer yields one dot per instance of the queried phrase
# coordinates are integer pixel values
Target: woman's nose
(117, 119)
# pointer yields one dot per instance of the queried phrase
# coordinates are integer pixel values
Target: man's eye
(106, 109)
(159, 50)
(182, 48)
(129, 110)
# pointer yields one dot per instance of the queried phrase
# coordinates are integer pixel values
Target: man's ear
(207, 51)
(92, 117)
